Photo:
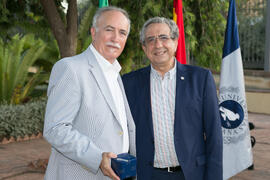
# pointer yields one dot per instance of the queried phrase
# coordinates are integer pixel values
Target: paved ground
(25, 160)
(261, 150)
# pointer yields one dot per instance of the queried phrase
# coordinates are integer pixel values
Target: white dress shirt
(111, 73)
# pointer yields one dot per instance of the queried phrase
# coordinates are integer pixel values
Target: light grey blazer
(81, 119)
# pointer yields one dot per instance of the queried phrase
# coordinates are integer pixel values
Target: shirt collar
(105, 64)
(170, 74)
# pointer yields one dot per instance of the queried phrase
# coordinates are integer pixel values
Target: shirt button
(120, 133)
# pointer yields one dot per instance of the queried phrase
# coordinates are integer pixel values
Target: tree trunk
(66, 36)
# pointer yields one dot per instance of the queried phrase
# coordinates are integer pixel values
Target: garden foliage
(16, 57)
(21, 120)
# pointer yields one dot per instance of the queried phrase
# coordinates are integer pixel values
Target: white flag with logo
(237, 153)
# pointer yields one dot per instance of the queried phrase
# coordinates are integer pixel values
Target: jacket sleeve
(64, 98)
(213, 130)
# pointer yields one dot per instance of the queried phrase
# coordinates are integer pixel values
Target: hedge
(21, 120)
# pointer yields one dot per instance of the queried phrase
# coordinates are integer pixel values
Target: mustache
(116, 45)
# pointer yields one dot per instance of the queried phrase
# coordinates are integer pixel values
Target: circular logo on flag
(231, 114)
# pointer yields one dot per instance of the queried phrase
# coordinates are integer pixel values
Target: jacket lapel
(181, 84)
(146, 92)
(101, 81)
(128, 113)
(130, 122)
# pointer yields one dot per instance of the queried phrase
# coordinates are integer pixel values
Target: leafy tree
(251, 17)
(27, 17)
(204, 29)
(209, 30)
(64, 28)
(22, 16)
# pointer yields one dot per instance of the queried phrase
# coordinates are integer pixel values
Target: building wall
(257, 84)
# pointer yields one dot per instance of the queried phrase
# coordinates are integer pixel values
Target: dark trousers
(164, 175)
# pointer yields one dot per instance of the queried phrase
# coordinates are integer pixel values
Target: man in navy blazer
(175, 109)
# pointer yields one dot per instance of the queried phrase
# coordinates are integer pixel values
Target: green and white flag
(103, 3)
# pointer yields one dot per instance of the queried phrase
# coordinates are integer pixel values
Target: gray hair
(100, 11)
(174, 32)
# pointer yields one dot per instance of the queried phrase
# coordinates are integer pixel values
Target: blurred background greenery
(34, 34)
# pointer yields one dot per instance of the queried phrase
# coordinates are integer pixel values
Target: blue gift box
(124, 165)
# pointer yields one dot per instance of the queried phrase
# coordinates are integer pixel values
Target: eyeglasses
(152, 39)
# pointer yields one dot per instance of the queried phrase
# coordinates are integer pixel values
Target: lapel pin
(182, 78)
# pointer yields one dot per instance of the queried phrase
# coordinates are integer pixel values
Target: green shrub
(16, 57)
(21, 120)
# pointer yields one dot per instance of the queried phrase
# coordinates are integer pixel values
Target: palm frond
(16, 57)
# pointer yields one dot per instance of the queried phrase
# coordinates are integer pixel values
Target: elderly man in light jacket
(88, 120)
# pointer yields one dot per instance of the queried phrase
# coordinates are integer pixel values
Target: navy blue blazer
(197, 126)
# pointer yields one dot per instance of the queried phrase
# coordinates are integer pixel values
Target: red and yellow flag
(178, 18)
